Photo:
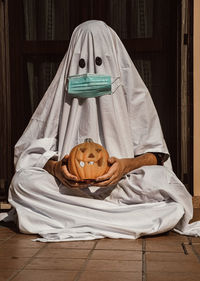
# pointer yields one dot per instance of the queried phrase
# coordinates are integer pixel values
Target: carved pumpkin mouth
(84, 163)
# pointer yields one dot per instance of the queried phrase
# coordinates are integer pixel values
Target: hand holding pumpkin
(60, 171)
(121, 167)
(88, 160)
(118, 168)
(89, 164)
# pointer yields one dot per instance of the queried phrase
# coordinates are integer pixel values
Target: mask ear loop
(116, 83)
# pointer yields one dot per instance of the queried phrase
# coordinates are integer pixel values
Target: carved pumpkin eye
(82, 149)
(98, 150)
(100, 162)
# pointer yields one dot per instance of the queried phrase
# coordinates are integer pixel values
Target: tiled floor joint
(78, 276)
(184, 249)
(194, 249)
(143, 259)
(28, 262)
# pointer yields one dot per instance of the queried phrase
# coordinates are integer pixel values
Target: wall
(196, 98)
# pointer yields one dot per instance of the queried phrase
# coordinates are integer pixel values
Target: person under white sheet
(136, 196)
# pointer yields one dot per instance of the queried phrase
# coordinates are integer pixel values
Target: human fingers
(108, 175)
(74, 184)
(112, 160)
(106, 182)
(67, 175)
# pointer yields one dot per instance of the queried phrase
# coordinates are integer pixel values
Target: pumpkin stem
(88, 140)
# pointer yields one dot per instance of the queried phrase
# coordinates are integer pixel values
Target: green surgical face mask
(89, 85)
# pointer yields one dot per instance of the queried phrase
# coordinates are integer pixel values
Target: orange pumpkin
(88, 160)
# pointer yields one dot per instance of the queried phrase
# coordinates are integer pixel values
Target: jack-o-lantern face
(88, 160)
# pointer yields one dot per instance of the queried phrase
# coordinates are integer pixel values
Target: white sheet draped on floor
(147, 201)
(137, 206)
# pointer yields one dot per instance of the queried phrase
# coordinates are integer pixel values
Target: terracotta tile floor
(166, 257)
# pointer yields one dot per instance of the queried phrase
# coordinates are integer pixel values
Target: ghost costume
(147, 201)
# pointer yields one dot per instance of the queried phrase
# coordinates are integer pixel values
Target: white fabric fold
(36, 154)
(137, 206)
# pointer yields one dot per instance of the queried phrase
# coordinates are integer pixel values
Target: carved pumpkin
(88, 160)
